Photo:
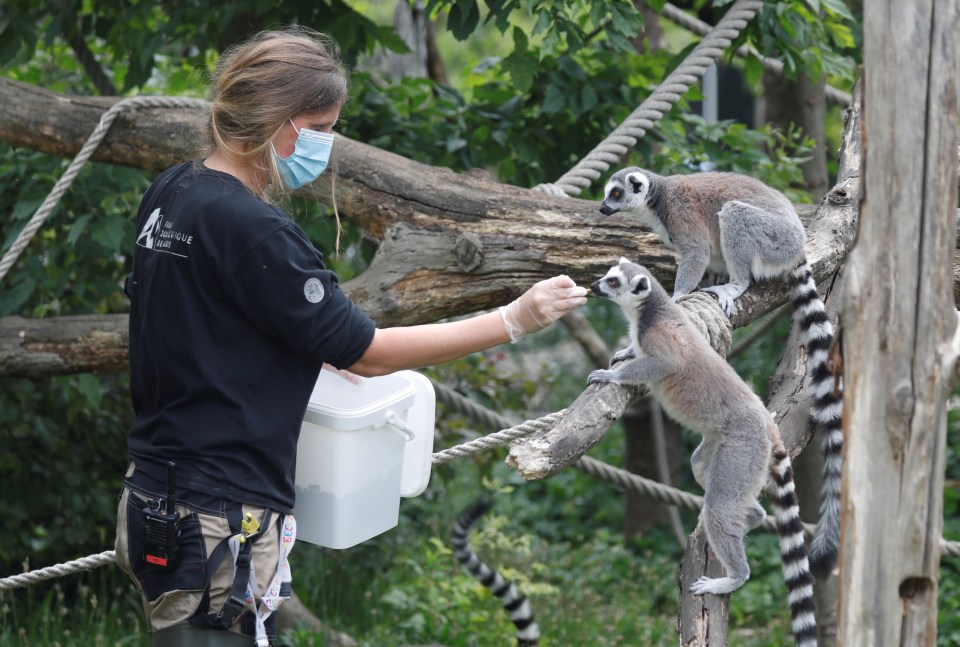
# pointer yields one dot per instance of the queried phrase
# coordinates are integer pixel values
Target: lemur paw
(622, 355)
(724, 300)
(714, 585)
(600, 376)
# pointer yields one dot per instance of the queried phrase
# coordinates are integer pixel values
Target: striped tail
(793, 552)
(528, 633)
(826, 409)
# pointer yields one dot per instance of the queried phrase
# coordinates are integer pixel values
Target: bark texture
(899, 326)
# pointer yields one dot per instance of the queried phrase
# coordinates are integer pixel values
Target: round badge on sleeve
(313, 290)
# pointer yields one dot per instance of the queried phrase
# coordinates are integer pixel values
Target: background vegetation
(532, 86)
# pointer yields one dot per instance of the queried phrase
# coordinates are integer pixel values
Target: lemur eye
(616, 193)
(614, 283)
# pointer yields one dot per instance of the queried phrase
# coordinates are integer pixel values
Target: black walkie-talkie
(161, 527)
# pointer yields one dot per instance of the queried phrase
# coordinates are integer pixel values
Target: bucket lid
(336, 403)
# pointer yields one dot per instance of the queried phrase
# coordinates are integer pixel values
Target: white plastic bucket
(361, 448)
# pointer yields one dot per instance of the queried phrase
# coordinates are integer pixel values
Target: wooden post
(703, 619)
(899, 324)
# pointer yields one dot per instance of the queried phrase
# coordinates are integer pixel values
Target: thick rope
(586, 464)
(637, 483)
(60, 570)
(705, 314)
(625, 136)
(697, 26)
(496, 439)
(96, 137)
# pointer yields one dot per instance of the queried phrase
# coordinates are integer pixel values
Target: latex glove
(347, 375)
(541, 305)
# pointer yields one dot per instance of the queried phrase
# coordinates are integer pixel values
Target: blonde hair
(262, 83)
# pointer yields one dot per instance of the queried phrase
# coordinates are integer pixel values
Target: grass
(90, 609)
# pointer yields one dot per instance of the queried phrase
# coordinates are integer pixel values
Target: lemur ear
(637, 181)
(624, 259)
(639, 283)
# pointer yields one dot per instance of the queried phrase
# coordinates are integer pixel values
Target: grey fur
(735, 225)
(725, 222)
(741, 451)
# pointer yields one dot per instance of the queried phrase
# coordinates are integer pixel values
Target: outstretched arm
(394, 349)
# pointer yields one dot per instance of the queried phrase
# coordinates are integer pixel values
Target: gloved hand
(541, 305)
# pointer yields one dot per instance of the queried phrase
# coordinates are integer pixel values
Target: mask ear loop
(333, 192)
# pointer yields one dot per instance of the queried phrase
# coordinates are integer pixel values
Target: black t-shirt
(232, 315)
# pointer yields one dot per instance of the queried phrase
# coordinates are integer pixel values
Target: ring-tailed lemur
(736, 225)
(528, 632)
(741, 451)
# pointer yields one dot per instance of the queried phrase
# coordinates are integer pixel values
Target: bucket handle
(398, 424)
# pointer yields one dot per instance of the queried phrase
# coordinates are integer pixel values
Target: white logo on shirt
(160, 236)
(313, 290)
(151, 231)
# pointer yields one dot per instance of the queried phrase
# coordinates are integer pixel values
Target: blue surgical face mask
(309, 158)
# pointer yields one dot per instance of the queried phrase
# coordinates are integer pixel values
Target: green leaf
(554, 99)
(841, 34)
(463, 19)
(520, 41)
(753, 70)
(108, 233)
(77, 229)
(839, 8)
(588, 98)
(522, 68)
(89, 387)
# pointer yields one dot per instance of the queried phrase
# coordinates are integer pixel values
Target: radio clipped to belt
(161, 527)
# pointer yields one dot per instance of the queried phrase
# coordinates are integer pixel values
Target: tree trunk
(409, 23)
(703, 619)
(900, 328)
(652, 35)
(40, 348)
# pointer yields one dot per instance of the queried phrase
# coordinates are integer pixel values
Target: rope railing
(625, 136)
(459, 403)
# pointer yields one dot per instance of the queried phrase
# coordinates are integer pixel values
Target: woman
(233, 314)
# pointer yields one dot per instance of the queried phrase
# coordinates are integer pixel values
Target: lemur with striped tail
(735, 225)
(516, 604)
(741, 452)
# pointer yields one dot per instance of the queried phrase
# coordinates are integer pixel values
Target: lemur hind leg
(701, 459)
(757, 242)
(700, 463)
(731, 510)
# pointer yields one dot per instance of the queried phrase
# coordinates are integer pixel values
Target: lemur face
(625, 282)
(627, 188)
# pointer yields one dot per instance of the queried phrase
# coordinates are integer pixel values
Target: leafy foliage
(132, 36)
(816, 37)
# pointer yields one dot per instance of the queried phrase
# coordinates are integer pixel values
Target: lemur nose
(606, 210)
(595, 286)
